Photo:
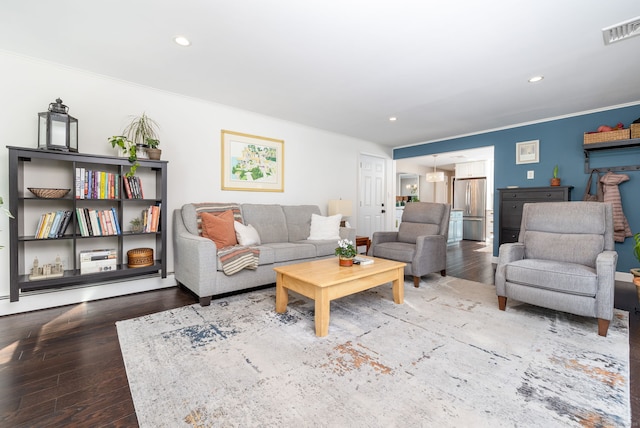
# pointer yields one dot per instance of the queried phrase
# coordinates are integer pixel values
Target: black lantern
(56, 129)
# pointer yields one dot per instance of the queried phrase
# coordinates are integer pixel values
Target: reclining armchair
(420, 242)
(564, 260)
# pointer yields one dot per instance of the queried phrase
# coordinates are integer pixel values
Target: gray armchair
(564, 260)
(420, 242)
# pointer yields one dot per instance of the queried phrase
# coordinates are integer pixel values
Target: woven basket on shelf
(140, 257)
(43, 192)
(635, 130)
(601, 137)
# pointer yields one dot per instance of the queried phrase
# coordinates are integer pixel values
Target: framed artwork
(252, 163)
(528, 152)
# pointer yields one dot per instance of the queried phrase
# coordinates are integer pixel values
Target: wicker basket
(140, 257)
(42, 192)
(635, 130)
(602, 137)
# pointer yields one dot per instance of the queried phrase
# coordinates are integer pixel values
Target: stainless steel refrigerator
(470, 196)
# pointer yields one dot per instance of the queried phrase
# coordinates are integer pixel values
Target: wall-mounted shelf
(621, 144)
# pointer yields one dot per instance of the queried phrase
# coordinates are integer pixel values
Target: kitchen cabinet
(471, 169)
(455, 227)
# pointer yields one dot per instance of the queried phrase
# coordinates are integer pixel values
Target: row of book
(151, 218)
(133, 187)
(90, 184)
(93, 222)
(53, 224)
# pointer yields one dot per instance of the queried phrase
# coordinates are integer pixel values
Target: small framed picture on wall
(528, 152)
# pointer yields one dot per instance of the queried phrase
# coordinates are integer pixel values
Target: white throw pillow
(247, 235)
(324, 228)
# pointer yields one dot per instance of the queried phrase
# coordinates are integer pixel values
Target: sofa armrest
(195, 259)
(606, 270)
(431, 254)
(380, 237)
(348, 233)
(508, 253)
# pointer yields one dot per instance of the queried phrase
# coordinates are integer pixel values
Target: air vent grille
(621, 31)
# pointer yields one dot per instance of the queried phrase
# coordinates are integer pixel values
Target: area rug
(446, 357)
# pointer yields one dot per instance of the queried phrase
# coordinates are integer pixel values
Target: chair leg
(502, 303)
(603, 327)
(416, 281)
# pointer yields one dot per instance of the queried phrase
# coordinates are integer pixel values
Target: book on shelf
(133, 187)
(90, 184)
(52, 224)
(92, 222)
(93, 261)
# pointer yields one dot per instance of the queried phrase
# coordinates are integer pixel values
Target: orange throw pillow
(219, 228)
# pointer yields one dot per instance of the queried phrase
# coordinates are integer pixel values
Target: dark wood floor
(63, 367)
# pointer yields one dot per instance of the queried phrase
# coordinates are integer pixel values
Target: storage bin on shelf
(635, 130)
(602, 137)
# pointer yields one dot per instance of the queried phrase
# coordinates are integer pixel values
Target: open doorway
(460, 165)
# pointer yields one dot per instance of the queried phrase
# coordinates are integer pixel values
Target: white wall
(190, 141)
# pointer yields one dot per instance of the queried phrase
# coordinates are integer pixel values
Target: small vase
(555, 181)
(345, 261)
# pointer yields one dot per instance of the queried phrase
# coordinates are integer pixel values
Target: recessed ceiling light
(182, 41)
(393, 119)
(535, 79)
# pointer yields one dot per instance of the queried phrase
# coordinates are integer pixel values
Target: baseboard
(44, 299)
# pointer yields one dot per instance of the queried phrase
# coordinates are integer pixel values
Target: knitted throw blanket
(234, 259)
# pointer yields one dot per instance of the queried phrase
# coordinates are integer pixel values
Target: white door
(371, 209)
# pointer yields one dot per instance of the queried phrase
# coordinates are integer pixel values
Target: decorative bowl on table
(48, 193)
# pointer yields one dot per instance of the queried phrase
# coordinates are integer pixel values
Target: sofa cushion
(219, 228)
(553, 275)
(287, 251)
(191, 213)
(298, 219)
(325, 228)
(246, 235)
(399, 251)
(323, 248)
(565, 247)
(408, 232)
(268, 220)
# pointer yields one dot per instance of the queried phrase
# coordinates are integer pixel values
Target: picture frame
(528, 152)
(252, 163)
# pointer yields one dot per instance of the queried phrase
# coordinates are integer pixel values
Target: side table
(363, 241)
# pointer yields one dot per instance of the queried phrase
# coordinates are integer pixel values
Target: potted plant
(140, 134)
(346, 251)
(636, 253)
(127, 148)
(152, 150)
(140, 130)
(555, 181)
(136, 225)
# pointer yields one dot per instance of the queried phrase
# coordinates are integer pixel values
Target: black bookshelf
(60, 173)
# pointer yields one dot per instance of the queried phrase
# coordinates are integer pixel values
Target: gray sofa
(283, 231)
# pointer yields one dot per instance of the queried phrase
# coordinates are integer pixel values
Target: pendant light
(435, 176)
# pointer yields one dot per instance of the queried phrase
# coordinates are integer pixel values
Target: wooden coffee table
(324, 280)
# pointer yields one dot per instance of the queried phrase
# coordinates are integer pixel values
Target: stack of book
(151, 218)
(93, 222)
(53, 224)
(93, 261)
(133, 187)
(92, 184)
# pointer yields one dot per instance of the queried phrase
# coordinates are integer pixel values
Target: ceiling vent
(621, 31)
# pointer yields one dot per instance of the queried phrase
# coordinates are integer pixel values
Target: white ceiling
(443, 68)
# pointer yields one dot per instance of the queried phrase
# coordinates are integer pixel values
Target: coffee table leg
(322, 313)
(398, 287)
(282, 296)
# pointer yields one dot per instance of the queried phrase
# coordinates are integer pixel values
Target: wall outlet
(529, 175)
